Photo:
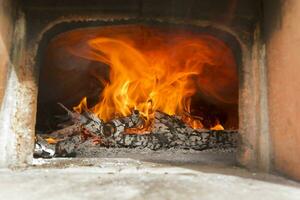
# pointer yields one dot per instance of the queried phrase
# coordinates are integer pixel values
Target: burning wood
(166, 132)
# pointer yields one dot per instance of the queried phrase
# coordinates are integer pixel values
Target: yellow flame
(82, 106)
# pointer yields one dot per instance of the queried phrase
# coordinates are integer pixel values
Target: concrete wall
(282, 33)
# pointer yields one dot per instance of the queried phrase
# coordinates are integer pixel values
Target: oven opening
(136, 86)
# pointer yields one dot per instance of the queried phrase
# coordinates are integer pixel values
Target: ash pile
(85, 131)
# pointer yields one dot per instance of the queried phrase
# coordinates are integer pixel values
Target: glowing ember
(51, 140)
(151, 69)
(217, 127)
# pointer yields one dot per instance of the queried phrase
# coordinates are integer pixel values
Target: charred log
(43, 149)
(166, 132)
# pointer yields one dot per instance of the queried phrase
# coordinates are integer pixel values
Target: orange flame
(192, 122)
(51, 140)
(217, 127)
(151, 69)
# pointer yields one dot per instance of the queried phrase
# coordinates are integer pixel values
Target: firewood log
(166, 132)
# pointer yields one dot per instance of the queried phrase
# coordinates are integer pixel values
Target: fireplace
(207, 58)
(160, 70)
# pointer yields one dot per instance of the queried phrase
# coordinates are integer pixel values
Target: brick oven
(243, 84)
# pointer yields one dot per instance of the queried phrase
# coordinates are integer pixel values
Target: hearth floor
(128, 178)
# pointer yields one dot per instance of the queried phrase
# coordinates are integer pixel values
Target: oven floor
(132, 178)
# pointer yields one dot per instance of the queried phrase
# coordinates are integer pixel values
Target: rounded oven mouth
(116, 72)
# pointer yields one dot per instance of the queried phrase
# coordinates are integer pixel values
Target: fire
(51, 140)
(192, 121)
(217, 127)
(82, 106)
(151, 69)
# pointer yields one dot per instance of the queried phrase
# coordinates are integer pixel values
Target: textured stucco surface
(134, 179)
(283, 47)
